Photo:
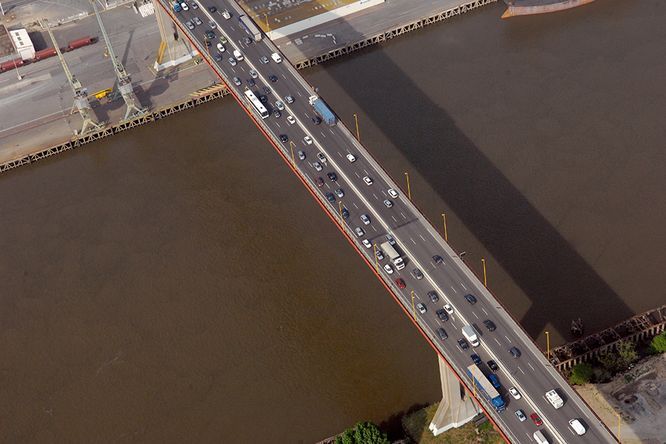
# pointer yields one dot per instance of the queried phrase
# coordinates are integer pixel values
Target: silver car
(359, 231)
(279, 105)
(289, 99)
(317, 166)
(232, 61)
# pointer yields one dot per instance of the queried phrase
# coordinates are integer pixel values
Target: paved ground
(272, 15)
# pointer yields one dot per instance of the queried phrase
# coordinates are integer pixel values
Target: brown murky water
(176, 283)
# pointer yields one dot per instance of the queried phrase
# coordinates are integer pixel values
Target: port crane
(124, 81)
(81, 102)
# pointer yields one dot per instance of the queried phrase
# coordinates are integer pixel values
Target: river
(175, 283)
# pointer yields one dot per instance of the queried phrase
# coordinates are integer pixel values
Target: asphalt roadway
(531, 373)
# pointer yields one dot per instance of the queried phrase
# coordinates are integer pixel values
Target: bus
(482, 385)
(258, 106)
(250, 27)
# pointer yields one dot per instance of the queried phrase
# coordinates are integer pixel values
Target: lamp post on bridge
(374, 251)
(413, 308)
(485, 277)
(409, 190)
(358, 135)
(293, 159)
(446, 233)
(547, 345)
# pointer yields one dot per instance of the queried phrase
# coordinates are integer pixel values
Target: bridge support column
(174, 47)
(456, 407)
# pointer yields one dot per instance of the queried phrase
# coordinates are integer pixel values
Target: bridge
(347, 182)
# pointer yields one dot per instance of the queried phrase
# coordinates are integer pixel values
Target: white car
(351, 157)
(238, 55)
(220, 47)
(253, 74)
(365, 219)
(367, 243)
(359, 232)
(317, 166)
(237, 81)
(340, 193)
(301, 155)
(232, 61)
(276, 57)
(448, 308)
(388, 203)
(393, 193)
(291, 120)
(422, 308)
(307, 140)
(515, 393)
(322, 158)
(226, 14)
(279, 105)
(388, 269)
(184, 6)
(367, 180)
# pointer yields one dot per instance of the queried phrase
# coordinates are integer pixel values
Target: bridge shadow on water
(559, 283)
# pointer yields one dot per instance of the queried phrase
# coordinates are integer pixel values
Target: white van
(577, 427)
(238, 55)
(539, 438)
(469, 334)
(554, 399)
(276, 57)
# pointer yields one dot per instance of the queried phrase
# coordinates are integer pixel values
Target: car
(330, 197)
(490, 325)
(442, 333)
(279, 105)
(365, 219)
(251, 83)
(515, 393)
(289, 99)
(263, 60)
(322, 158)
(247, 40)
(208, 43)
(416, 273)
(263, 98)
(448, 308)
(494, 380)
(388, 203)
(316, 120)
(184, 6)
(351, 157)
(393, 193)
(189, 25)
(223, 40)
(212, 9)
(475, 358)
(307, 140)
(212, 25)
(239, 55)
(220, 47)
(332, 176)
(535, 418)
(390, 240)
(463, 344)
(217, 57)
(438, 259)
(367, 180)
(320, 182)
(340, 193)
(237, 81)
(400, 282)
(379, 254)
(359, 232)
(366, 243)
(434, 297)
(284, 138)
(493, 365)
(210, 35)
(195, 6)
(277, 114)
(233, 62)
(514, 352)
(577, 426)
(276, 57)
(226, 14)
(197, 20)
(266, 90)
(441, 314)
(291, 120)
(422, 308)
(301, 156)
(345, 212)
(253, 74)
(273, 78)
(520, 415)
(317, 166)
(388, 269)
(470, 298)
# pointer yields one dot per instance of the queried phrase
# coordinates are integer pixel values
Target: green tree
(619, 360)
(581, 374)
(658, 344)
(362, 433)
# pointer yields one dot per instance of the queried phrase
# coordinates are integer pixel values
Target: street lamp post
(374, 251)
(339, 202)
(358, 134)
(485, 277)
(446, 233)
(619, 427)
(268, 26)
(409, 191)
(548, 344)
(293, 159)
(413, 308)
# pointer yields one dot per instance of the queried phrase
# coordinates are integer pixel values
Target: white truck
(393, 254)
(469, 334)
(554, 399)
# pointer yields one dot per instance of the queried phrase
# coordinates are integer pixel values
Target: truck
(393, 255)
(323, 110)
(249, 26)
(554, 399)
(470, 334)
(482, 385)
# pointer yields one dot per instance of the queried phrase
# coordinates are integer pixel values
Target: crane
(124, 81)
(81, 102)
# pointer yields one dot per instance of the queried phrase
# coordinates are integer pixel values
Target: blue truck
(483, 385)
(323, 110)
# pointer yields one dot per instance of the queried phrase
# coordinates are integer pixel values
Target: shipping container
(45, 54)
(78, 43)
(6, 66)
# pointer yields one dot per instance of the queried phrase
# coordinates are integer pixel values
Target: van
(577, 427)
(554, 399)
(469, 334)
(276, 57)
(238, 55)
(539, 438)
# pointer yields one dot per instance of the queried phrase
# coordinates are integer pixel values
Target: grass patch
(416, 426)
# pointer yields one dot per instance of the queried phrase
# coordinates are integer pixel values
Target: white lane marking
(357, 175)
(277, 124)
(299, 93)
(413, 241)
(475, 315)
(375, 196)
(454, 289)
(498, 342)
(394, 219)
(331, 130)
(284, 77)
(507, 338)
(484, 310)
(366, 172)
(423, 239)
(463, 285)
(531, 366)
(403, 216)
(434, 267)
(323, 135)
(339, 154)
(371, 226)
(355, 206)
(521, 370)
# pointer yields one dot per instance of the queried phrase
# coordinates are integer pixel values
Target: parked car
(233, 62)
(320, 182)
(317, 166)
(366, 243)
(330, 197)
(359, 231)
(316, 120)
(379, 254)
(253, 74)
(291, 120)
(237, 81)
(197, 20)
(263, 59)
(212, 9)
(279, 105)
(340, 193)
(189, 25)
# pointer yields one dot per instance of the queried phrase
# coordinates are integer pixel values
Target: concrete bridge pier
(456, 407)
(174, 47)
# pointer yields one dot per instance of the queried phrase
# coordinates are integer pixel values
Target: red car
(537, 421)
(400, 283)
(320, 182)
